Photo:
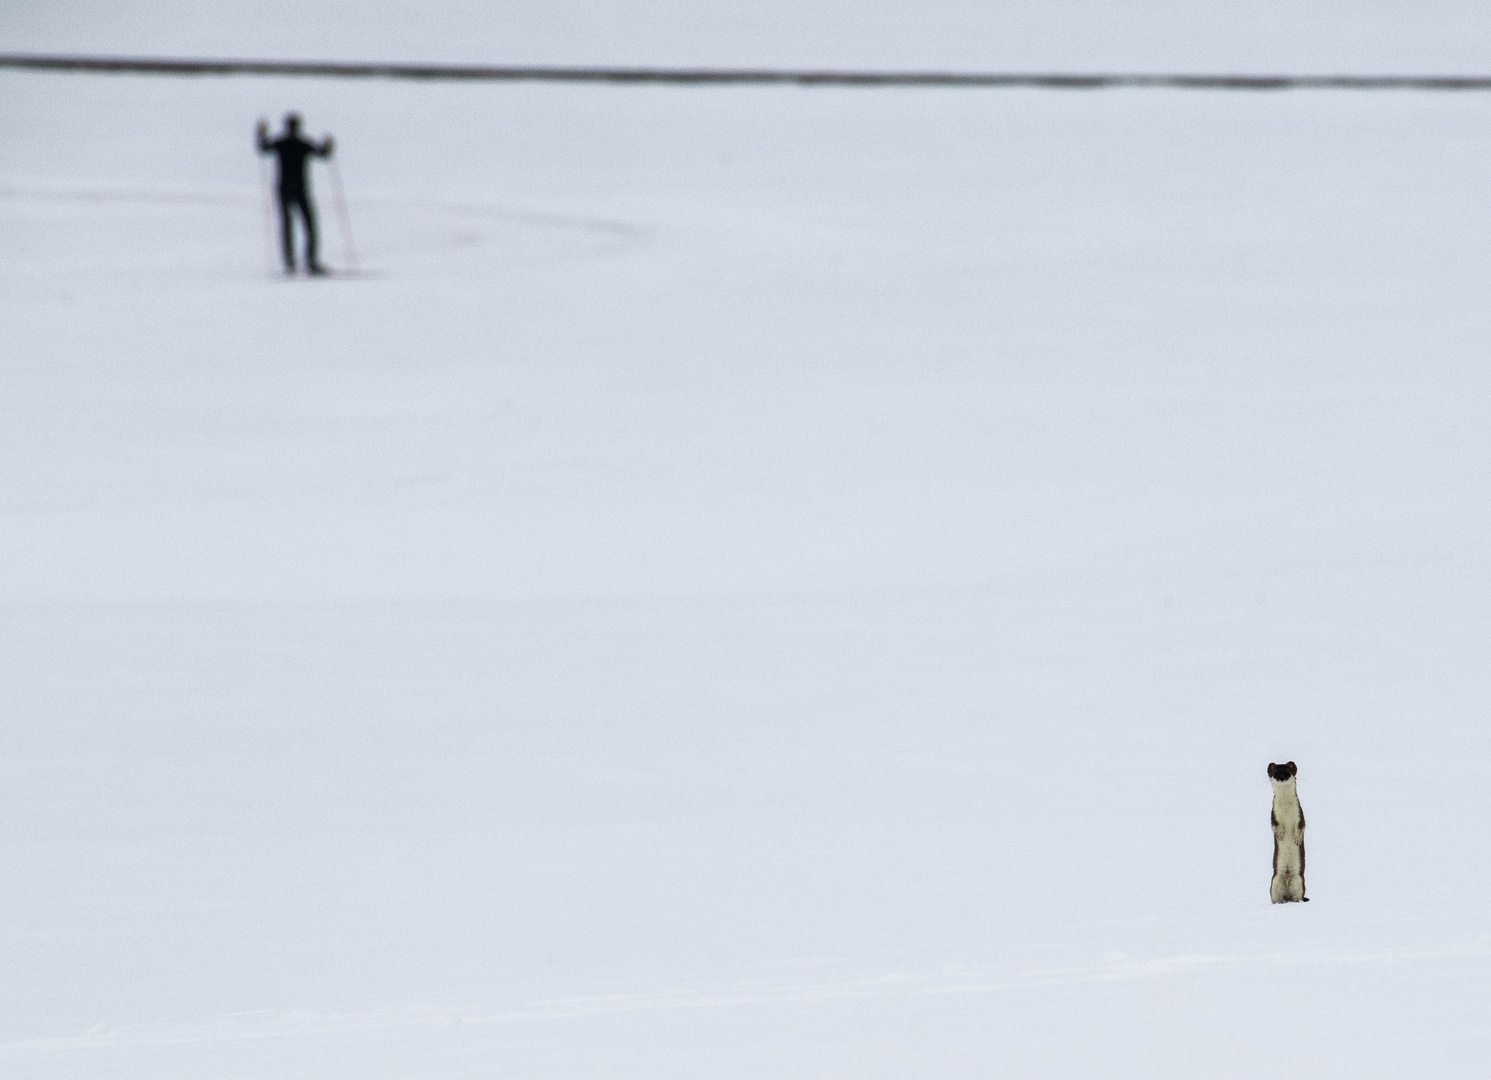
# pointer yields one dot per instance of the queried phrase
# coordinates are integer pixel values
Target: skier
(295, 192)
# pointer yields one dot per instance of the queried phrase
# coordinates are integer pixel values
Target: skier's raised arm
(326, 147)
(262, 137)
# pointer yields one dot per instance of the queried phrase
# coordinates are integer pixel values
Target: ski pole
(344, 219)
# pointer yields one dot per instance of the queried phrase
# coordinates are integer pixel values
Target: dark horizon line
(142, 65)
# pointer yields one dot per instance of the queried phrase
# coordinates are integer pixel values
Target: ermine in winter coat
(1288, 884)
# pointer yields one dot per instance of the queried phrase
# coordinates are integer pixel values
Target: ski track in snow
(548, 219)
(953, 980)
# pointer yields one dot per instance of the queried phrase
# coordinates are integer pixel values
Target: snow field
(767, 582)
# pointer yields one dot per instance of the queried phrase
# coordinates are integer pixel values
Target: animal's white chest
(1288, 884)
(1289, 845)
(1289, 820)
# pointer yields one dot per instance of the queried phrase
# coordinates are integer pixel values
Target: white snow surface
(761, 583)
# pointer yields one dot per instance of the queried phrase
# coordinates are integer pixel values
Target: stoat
(1289, 837)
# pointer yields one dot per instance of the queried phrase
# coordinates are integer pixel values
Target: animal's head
(1280, 773)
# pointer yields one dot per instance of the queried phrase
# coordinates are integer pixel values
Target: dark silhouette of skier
(294, 188)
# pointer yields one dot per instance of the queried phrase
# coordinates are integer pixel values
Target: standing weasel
(1289, 837)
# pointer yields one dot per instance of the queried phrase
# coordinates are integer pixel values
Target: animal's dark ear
(1292, 767)
(1271, 768)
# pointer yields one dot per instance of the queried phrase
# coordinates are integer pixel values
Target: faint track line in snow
(121, 195)
(611, 227)
(537, 217)
(551, 219)
(1056, 80)
(271, 1025)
